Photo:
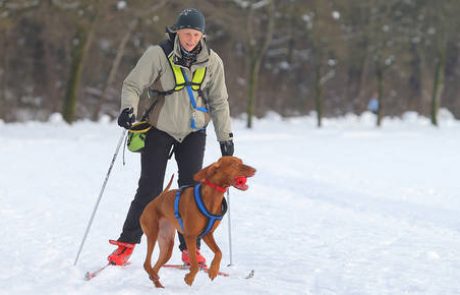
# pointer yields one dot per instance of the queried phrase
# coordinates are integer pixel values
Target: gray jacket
(173, 113)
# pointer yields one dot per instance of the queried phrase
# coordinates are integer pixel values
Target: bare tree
(121, 51)
(381, 35)
(323, 37)
(441, 30)
(257, 48)
(4, 69)
(81, 44)
(10, 13)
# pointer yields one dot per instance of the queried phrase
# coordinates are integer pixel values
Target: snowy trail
(343, 210)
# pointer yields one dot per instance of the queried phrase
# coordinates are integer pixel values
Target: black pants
(158, 144)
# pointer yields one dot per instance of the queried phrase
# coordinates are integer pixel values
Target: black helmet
(190, 18)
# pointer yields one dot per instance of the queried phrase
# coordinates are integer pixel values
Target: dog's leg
(215, 264)
(166, 243)
(149, 225)
(190, 241)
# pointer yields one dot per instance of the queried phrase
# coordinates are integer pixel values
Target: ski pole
(229, 229)
(100, 196)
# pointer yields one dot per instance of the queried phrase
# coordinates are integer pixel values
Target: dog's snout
(250, 171)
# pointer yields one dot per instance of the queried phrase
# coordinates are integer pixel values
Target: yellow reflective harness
(197, 77)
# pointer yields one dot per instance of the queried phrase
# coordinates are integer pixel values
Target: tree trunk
(84, 36)
(356, 77)
(438, 86)
(3, 76)
(379, 75)
(415, 79)
(253, 80)
(318, 94)
(255, 59)
(53, 100)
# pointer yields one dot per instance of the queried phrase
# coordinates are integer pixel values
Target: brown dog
(159, 222)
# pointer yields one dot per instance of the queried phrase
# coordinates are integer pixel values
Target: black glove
(226, 147)
(126, 118)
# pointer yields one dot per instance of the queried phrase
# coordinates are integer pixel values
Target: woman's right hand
(126, 118)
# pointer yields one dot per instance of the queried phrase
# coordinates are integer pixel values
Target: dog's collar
(215, 186)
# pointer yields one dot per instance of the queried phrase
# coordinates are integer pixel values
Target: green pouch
(137, 135)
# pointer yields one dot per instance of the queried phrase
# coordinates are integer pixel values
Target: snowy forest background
(362, 210)
(292, 57)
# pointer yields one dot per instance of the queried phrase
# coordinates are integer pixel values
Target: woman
(189, 81)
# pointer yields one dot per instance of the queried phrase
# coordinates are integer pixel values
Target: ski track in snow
(346, 209)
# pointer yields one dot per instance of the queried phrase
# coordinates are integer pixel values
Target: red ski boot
(200, 258)
(121, 255)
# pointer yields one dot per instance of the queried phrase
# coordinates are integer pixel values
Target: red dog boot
(121, 255)
(200, 258)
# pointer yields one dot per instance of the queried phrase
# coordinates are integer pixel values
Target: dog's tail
(169, 184)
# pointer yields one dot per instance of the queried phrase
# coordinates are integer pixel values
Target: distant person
(373, 104)
(189, 80)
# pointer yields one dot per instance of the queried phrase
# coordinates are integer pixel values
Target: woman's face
(189, 38)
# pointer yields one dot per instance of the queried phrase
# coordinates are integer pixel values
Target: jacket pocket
(199, 119)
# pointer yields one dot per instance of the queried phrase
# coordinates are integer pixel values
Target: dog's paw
(212, 274)
(156, 280)
(158, 284)
(189, 279)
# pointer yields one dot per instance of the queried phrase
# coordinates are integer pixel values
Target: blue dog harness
(199, 202)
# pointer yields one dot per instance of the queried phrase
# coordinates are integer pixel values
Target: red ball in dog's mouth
(240, 183)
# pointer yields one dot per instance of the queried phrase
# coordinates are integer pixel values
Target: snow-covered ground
(346, 209)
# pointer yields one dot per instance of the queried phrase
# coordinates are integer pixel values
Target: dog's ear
(206, 172)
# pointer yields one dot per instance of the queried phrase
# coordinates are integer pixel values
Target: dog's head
(228, 171)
